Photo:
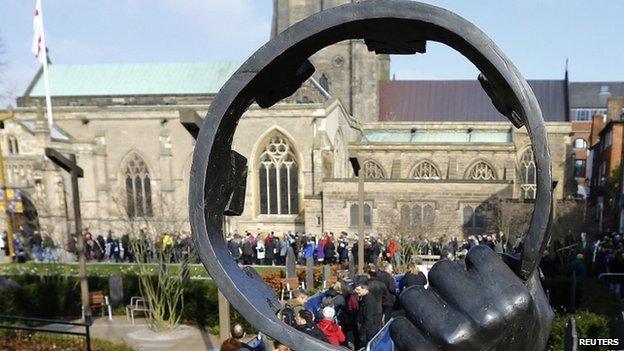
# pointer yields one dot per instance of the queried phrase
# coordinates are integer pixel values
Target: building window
(305, 100)
(528, 175)
(608, 139)
(138, 188)
(13, 145)
(481, 171)
(586, 114)
(354, 215)
(324, 82)
(278, 179)
(425, 170)
(406, 219)
(372, 170)
(474, 218)
(602, 173)
(580, 143)
(419, 215)
(579, 168)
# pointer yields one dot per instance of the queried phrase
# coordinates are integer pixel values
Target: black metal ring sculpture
(278, 69)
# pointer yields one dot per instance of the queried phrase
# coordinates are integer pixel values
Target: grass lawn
(197, 271)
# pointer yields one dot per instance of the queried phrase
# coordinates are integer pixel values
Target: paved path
(120, 330)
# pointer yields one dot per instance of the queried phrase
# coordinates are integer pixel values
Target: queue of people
(271, 248)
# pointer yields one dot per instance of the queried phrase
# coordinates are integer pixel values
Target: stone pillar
(102, 187)
(309, 273)
(165, 163)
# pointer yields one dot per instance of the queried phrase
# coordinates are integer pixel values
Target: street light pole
(357, 171)
(361, 222)
(70, 165)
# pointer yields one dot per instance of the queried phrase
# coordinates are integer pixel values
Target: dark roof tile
(459, 101)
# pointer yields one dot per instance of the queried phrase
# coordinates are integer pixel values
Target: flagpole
(46, 80)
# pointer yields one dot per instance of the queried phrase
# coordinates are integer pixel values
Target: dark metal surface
(275, 71)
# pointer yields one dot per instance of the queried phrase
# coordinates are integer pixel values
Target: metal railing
(86, 334)
(615, 281)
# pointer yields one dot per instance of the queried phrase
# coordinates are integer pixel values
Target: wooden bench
(287, 286)
(97, 299)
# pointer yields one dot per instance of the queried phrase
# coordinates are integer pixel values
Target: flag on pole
(39, 49)
(38, 44)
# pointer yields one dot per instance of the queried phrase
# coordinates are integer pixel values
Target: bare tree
(410, 235)
(166, 216)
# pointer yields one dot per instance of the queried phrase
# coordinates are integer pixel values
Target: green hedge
(59, 297)
(588, 325)
(597, 308)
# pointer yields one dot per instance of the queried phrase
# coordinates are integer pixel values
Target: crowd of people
(351, 312)
(272, 248)
(585, 257)
(259, 248)
(30, 244)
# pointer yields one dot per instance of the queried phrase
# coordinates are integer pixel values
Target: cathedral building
(436, 155)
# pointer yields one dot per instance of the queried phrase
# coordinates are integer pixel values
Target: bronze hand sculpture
(487, 305)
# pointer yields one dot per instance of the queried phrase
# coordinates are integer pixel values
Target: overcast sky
(538, 36)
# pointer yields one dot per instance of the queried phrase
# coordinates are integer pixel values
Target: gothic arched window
(406, 215)
(428, 215)
(417, 215)
(468, 216)
(372, 170)
(481, 171)
(13, 145)
(425, 170)
(278, 179)
(138, 188)
(528, 175)
(354, 215)
(474, 218)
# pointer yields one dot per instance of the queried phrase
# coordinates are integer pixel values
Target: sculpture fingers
(438, 320)
(407, 337)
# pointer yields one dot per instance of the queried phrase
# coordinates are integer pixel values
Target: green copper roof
(437, 137)
(135, 79)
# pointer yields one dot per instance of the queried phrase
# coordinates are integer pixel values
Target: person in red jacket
(333, 332)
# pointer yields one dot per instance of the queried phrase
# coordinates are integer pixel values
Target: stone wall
(447, 197)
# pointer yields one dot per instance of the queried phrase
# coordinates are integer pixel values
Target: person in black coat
(270, 247)
(330, 249)
(343, 249)
(384, 275)
(234, 246)
(369, 314)
(413, 276)
(305, 323)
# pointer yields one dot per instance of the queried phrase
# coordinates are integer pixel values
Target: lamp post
(5, 199)
(355, 164)
(71, 167)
